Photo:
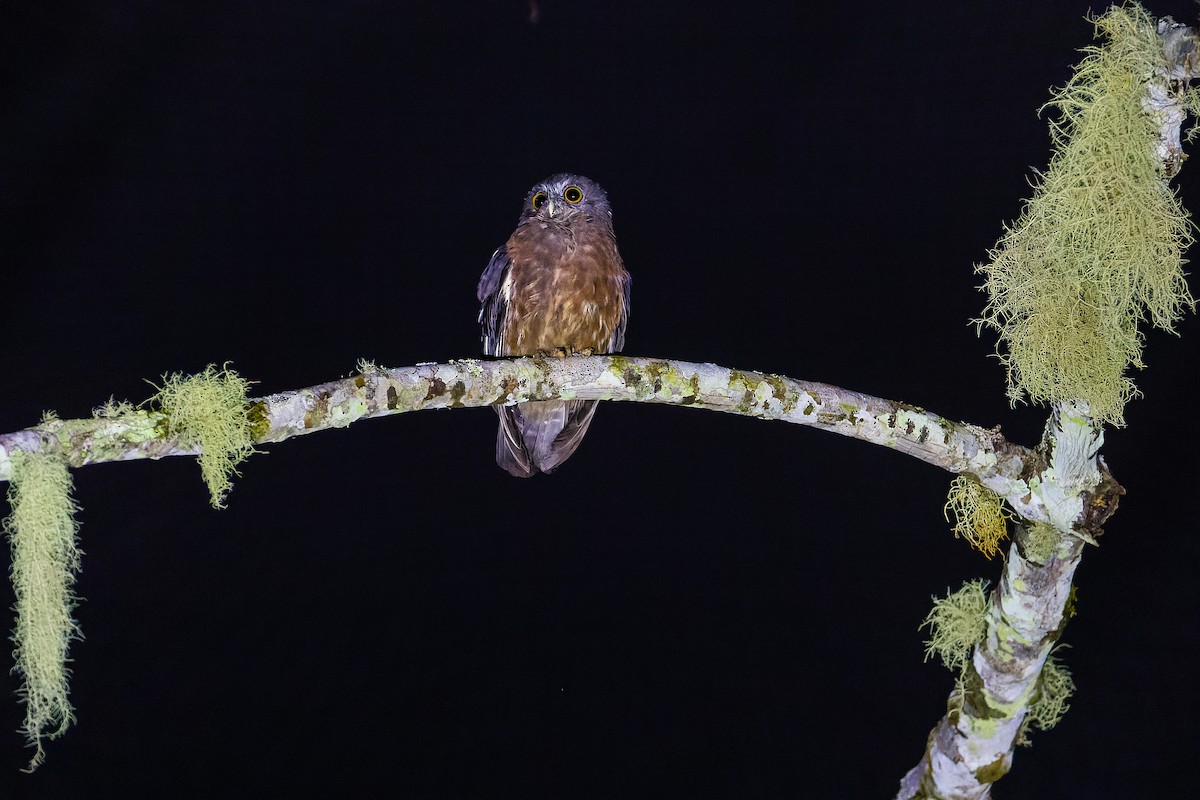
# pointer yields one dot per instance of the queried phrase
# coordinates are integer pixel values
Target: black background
(696, 605)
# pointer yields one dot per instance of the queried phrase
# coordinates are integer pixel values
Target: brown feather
(566, 289)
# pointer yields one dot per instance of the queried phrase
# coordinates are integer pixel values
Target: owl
(557, 284)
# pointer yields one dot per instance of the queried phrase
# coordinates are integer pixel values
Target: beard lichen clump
(209, 410)
(979, 515)
(45, 557)
(956, 623)
(1099, 248)
(1055, 687)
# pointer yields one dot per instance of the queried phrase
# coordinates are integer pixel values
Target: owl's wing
(511, 452)
(618, 340)
(492, 303)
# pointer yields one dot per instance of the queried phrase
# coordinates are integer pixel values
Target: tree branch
(1012, 471)
(954, 446)
(971, 747)
(1164, 100)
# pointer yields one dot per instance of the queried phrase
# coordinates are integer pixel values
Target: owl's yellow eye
(538, 200)
(573, 194)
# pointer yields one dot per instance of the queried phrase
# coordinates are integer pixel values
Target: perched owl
(557, 283)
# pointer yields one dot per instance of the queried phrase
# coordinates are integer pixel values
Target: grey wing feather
(579, 415)
(537, 437)
(492, 306)
(511, 454)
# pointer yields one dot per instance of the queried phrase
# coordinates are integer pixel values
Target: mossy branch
(208, 410)
(1096, 253)
(1002, 689)
(1011, 471)
(1061, 482)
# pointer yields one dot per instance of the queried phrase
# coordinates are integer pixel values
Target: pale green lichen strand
(1098, 249)
(1040, 541)
(1054, 687)
(978, 514)
(956, 623)
(45, 557)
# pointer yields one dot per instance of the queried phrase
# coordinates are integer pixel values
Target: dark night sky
(696, 605)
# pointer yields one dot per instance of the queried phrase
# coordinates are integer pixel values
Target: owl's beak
(550, 207)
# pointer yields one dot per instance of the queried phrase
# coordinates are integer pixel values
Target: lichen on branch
(1098, 249)
(45, 557)
(209, 410)
(956, 623)
(979, 515)
(1055, 686)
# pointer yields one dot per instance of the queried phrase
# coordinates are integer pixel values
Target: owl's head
(565, 197)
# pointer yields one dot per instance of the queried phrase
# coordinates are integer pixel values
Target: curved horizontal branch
(956, 447)
(1014, 472)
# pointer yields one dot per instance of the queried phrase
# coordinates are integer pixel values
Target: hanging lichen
(1099, 248)
(209, 410)
(45, 557)
(1055, 686)
(979, 515)
(956, 623)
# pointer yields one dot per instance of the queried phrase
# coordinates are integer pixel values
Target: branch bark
(1163, 94)
(1008, 469)
(1026, 478)
(972, 746)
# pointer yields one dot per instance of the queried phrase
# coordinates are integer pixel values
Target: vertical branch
(1096, 252)
(972, 746)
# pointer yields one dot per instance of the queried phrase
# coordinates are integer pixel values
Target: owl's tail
(538, 437)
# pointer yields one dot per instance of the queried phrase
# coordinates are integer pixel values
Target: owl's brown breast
(565, 288)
